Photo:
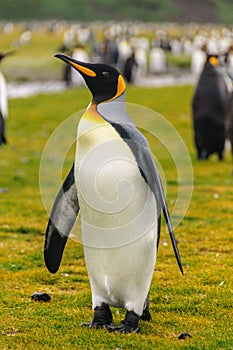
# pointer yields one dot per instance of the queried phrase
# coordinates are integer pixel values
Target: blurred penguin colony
(144, 50)
(140, 49)
(137, 49)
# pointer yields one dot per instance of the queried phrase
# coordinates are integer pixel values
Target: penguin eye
(106, 74)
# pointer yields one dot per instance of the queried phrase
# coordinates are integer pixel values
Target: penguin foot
(102, 317)
(129, 324)
(146, 316)
(97, 325)
(203, 155)
(123, 329)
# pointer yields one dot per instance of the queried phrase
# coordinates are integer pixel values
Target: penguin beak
(82, 67)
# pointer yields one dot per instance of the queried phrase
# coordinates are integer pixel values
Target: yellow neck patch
(213, 61)
(92, 115)
(84, 70)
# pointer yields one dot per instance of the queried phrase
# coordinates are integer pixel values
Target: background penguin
(230, 124)
(79, 53)
(198, 60)
(209, 107)
(129, 68)
(120, 233)
(157, 61)
(3, 102)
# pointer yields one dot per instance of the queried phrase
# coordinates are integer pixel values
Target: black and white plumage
(115, 186)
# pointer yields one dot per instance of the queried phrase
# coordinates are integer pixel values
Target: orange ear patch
(120, 86)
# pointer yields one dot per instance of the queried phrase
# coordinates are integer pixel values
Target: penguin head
(104, 81)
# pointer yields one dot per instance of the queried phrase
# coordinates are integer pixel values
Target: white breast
(118, 215)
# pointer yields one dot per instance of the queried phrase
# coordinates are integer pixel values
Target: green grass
(181, 61)
(199, 303)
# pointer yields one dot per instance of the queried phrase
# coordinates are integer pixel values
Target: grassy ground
(199, 303)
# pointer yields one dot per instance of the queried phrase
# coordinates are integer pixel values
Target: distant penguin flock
(115, 186)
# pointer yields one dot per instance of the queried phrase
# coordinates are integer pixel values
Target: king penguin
(115, 186)
(209, 109)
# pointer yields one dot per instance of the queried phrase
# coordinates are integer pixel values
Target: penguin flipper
(152, 176)
(140, 148)
(64, 213)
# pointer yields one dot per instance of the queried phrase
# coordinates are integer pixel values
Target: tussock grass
(199, 303)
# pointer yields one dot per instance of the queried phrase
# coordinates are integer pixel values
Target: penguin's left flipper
(63, 216)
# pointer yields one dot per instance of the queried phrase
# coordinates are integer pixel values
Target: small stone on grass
(41, 296)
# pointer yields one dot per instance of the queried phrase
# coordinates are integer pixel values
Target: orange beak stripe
(84, 70)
